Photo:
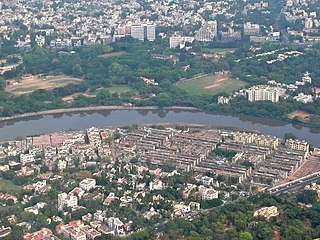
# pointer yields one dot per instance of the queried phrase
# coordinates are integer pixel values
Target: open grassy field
(210, 84)
(218, 50)
(114, 89)
(9, 187)
(120, 89)
(113, 54)
(28, 84)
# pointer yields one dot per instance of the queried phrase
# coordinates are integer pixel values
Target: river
(34, 125)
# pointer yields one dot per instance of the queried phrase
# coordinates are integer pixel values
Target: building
(87, 184)
(143, 32)
(230, 35)
(250, 29)
(66, 200)
(207, 32)
(297, 145)
(5, 231)
(223, 100)
(151, 32)
(44, 233)
(137, 32)
(264, 93)
(266, 212)
(179, 41)
(26, 158)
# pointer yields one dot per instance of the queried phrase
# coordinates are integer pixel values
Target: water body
(112, 118)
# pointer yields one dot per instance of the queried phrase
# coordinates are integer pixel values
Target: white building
(207, 32)
(151, 32)
(263, 93)
(137, 32)
(250, 29)
(26, 158)
(209, 194)
(179, 41)
(87, 184)
(66, 200)
(223, 100)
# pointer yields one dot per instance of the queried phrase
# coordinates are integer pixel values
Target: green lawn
(120, 89)
(9, 187)
(217, 50)
(208, 84)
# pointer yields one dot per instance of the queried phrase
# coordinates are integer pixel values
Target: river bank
(93, 108)
(111, 117)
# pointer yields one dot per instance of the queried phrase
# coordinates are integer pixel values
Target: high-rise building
(207, 32)
(150, 32)
(263, 93)
(137, 32)
(143, 32)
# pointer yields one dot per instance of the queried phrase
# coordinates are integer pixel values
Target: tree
(288, 136)
(245, 236)
(307, 197)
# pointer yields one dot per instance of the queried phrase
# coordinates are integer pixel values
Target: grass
(9, 187)
(217, 50)
(217, 84)
(120, 89)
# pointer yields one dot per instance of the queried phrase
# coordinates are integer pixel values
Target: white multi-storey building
(263, 93)
(207, 32)
(250, 29)
(66, 200)
(137, 32)
(87, 184)
(151, 32)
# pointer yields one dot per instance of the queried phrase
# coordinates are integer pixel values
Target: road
(288, 187)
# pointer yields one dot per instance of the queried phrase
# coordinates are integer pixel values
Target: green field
(218, 50)
(210, 84)
(9, 187)
(120, 89)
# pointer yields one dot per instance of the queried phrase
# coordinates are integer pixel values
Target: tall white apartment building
(137, 32)
(263, 93)
(144, 32)
(151, 32)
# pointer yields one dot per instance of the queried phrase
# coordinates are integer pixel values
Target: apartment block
(297, 145)
(264, 93)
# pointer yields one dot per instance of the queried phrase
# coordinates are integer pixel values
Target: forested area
(100, 70)
(236, 221)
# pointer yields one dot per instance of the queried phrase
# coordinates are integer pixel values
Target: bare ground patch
(301, 114)
(30, 83)
(113, 54)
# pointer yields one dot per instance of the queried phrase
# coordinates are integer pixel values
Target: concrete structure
(297, 145)
(66, 200)
(207, 32)
(87, 184)
(263, 93)
(179, 41)
(250, 29)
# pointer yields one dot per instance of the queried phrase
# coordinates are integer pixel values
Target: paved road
(294, 185)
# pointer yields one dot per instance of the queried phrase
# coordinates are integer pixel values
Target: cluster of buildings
(191, 152)
(148, 160)
(303, 10)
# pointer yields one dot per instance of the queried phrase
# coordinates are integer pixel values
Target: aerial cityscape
(160, 119)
